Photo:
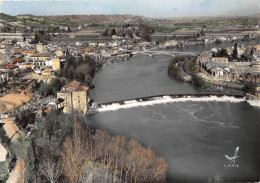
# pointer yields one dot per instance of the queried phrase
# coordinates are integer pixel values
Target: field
(12, 101)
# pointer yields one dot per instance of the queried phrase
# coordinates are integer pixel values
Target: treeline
(61, 147)
(248, 56)
(174, 68)
(134, 162)
(143, 31)
(45, 144)
(80, 69)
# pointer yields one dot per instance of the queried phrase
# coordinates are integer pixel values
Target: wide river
(193, 137)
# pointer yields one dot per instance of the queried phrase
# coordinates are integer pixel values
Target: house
(216, 71)
(56, 64)
(75, 96)
(41, 47)
(4, 77)
(28, 53)
(59, 52)
(26, 66)
(229, 51)
(220, 59)
(42, 56)
(47, 72)
(8, 67)
(171, 43)
(17, 60)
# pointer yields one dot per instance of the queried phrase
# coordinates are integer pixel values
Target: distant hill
(8, 18)
(110, 19)
(74, 20)
(92, 19)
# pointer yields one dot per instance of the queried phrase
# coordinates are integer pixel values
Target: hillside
(8, 18)
(117, 19)
(91, 19)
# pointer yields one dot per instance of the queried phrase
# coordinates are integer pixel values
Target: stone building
(74, 97)
(41, 47)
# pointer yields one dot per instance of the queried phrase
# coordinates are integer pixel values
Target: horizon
(146, 8)
(195, 16)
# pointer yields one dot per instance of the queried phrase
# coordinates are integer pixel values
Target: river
(193, 136)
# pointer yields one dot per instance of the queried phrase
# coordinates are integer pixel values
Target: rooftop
(14, 60)
(45, 54)
(7, 66)
(73, 84)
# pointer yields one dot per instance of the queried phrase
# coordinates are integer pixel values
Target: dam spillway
(170, 98)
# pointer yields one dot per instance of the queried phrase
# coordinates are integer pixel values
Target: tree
(74, 154)
(24, 118)
(250, 87)
(252, 51)
(174, 69)
(222, 53)
(106, 32)
(147, 37)
(235, 52)
(113, 32)
(51, 170)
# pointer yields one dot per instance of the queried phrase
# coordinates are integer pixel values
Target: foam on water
(167, 99)
(255, 103)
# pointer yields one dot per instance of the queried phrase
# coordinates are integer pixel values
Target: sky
(148, 8)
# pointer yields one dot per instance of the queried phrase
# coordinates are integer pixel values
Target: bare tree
(74, 155)
(51, 170)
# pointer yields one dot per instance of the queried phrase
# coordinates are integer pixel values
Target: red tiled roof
(48, 70)
(29, 52)
(82, 88)
(16, 53)
(8, 66)
(73, 84)
(45, 54)
(14, 60)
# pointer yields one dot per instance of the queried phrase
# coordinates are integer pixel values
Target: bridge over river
(160, 52)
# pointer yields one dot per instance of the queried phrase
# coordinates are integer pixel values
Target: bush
(250, 87)
(20, 146)
(191, 66)
(52, 88)
(196, 80)
(174, 69)
(24, 118)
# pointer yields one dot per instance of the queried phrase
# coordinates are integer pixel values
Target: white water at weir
(167, 99)
(255, 103)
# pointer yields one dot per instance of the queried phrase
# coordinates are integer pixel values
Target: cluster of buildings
(39, 58)
(244, 70)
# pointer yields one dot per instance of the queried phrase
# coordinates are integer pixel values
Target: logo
(232, 160)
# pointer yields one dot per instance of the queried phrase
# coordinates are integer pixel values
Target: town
(47, 67)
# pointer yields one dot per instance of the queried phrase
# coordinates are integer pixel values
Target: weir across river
(171, 98)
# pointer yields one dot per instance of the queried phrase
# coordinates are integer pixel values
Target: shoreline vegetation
(174, 67)
(195, 76)
(68, 143)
